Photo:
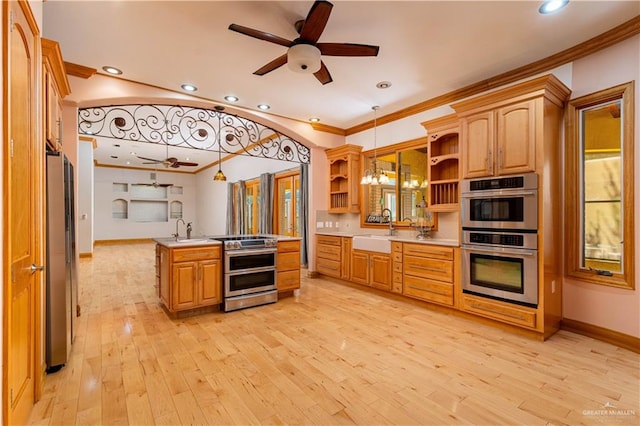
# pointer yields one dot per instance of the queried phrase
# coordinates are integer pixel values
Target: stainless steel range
(249, 271)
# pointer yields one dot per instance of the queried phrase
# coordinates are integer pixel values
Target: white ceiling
(427, 48)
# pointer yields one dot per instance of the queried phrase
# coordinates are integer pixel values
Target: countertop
(399, 238)
(171, 242)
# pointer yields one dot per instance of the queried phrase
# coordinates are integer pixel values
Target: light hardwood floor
(331, 355)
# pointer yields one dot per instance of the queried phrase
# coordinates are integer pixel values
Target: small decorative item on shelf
(424, 223)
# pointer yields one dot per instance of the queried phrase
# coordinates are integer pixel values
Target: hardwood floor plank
(331, 355)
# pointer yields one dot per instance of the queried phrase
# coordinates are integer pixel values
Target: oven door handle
(499, 250)
(245, 252)
(504, 193)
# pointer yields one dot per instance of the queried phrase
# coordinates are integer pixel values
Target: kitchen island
(190, 273)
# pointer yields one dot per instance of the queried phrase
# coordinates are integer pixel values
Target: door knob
(33, 268)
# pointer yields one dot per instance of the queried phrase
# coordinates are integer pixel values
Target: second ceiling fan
(304, 52)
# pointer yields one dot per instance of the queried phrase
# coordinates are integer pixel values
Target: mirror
(406, 192)
(381, 196)
(413, 184)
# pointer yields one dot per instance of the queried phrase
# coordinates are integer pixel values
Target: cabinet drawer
(288, 246)
(425, 250)
(441, 270)
(396, 287)
(197, 253)
(329, 252)
(396, 256)
(429, 290)
(396, 277)
(500, 311)
(288, 261)
(288, 280)
(397, 267)
(328, 240)
(396, 246)
(328, 267)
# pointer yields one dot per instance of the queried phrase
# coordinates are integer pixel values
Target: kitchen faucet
(177, 234)
(390, 221)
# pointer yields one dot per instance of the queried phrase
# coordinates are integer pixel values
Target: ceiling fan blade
(150, 162)
(276, 63)
(315, 21)
(150, 159)
(261, 35)
(184, 163)
(171, 160)
(323, 75)
(347, 49)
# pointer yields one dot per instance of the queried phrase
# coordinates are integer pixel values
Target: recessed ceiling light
(231, 98)
(552, 6)
(314, 119)
(383, 85)
(132, 153)
(263, 107)
(189, 87)
(112, 70)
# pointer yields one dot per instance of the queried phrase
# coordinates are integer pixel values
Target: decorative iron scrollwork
(196, 128)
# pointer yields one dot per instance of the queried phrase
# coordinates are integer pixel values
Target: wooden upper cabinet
(443, 163)
(478, 131)
(503, 132)
(55, 89)
(516, 137)
(344, 179)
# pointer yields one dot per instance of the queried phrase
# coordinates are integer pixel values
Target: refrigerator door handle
(33, 268)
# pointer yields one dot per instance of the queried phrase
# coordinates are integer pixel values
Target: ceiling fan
(168, 162)
(304, 52)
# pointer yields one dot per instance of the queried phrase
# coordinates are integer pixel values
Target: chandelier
(374, 176)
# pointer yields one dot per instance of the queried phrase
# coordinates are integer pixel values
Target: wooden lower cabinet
(371, 268)
(329, 255)
(428, 273)
(288, 266)
(190, 277)
(501, 311)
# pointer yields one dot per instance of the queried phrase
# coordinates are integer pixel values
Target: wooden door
(210, 275)
(478, 133)
(184, 289)
(23, 198)
(288, 204)
(516, 138)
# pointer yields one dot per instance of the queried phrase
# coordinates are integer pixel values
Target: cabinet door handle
(426, 268)
(500, 159)
(489, 165)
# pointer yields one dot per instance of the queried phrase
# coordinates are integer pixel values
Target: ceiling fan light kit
(303, 58)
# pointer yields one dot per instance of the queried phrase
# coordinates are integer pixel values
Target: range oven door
(503, 273)
(505, 209)
(249, 271)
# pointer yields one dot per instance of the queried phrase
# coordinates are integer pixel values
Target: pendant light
(374, 176)
(220, 177)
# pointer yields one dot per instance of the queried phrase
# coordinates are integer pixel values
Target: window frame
(573, 187)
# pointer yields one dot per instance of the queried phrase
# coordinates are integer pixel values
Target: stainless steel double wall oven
(500, 238)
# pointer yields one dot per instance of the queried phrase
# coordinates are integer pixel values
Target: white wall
(611, 308)
(85, 211)
(108, 228)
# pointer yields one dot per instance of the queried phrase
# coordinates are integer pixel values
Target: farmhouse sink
(379, 243)
(192, 240)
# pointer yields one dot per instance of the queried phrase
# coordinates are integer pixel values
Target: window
(599, 228)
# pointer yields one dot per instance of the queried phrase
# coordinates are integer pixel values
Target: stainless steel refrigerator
(62, 278)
